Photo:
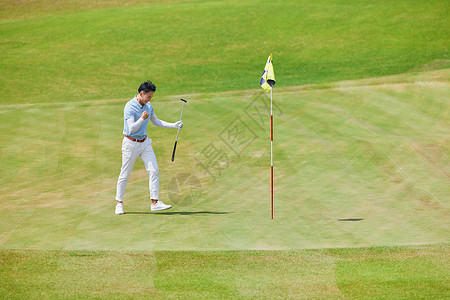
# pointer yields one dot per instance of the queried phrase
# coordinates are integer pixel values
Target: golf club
(175, 146)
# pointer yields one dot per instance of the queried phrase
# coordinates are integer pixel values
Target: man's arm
(134, 126)
(160, 123)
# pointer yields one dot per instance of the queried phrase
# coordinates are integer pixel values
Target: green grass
(367, 273)
(212, 46)
(362, 152)
(375, 149)
(10, 9)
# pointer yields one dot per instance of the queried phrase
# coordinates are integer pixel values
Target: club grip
(174, 148)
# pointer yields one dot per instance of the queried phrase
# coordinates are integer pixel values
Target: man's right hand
(144, 115)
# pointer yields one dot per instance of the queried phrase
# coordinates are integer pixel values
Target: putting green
(376, 150)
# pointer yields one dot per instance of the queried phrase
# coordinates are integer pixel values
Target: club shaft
(182, 108)
(178, 132)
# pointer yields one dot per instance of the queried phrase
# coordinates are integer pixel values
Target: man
(138, 111)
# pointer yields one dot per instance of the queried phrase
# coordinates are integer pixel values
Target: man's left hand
(178, 125)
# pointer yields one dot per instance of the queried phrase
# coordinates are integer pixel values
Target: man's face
(144, 98)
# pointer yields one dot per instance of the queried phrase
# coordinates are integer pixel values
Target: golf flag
(267, 82)
(268, 77)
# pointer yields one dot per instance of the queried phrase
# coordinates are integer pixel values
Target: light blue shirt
(134, 109)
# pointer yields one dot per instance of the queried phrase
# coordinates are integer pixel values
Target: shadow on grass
(184, 213)
(351, 220)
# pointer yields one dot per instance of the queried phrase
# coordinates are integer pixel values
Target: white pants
(130, 152)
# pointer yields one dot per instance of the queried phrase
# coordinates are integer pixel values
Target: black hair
(147, 87)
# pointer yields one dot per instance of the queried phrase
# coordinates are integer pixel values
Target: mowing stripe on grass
(371, 273)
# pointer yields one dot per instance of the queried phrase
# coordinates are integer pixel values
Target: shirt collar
(142, 106)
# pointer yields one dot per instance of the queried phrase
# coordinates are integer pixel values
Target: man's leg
(149, 159)
(129, 155)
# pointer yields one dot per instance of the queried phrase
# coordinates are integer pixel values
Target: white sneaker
(160, 206)
(119, 209)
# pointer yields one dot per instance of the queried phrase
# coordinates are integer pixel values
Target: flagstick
(271, 148)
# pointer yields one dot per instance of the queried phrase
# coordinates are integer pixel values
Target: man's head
(146, 91)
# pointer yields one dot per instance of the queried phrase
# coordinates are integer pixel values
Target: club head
(185, 101)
